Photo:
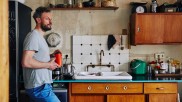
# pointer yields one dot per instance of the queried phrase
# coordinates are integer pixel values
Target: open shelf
(87, 8)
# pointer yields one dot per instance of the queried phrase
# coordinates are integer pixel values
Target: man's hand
(53, 64)
(53, 54)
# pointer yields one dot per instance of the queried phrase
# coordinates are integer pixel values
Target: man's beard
(45, 27)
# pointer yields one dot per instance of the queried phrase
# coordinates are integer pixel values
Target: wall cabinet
(172, 28)
(123, 92)
(156, 28)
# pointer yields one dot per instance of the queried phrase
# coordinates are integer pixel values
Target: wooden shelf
(87, 8)
(168, 75)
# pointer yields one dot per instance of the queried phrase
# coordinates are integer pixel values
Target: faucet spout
(101, 53)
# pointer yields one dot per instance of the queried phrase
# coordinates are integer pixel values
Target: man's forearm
(32, 63)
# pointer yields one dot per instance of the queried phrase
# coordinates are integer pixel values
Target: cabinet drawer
(160, 87)
(107, 88)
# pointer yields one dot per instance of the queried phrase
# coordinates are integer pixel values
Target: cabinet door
(172, 29)
(87, 98)
(162, 97)
(147, 29)
(125, 98)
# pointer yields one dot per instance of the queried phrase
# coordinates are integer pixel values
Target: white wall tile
(95, 40)
(77, 49)
(91, 54)
(76, 58)
(103, 39)
(86, 59)
(86, 49)
(77, 39)
(86, 39)
(95, 49)
(115, 58)
(106, 58)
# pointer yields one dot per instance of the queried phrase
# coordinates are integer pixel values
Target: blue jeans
(42, 93)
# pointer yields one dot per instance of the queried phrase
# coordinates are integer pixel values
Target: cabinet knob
(107, 87)
(160, 88)
(89, 87)
(125, 87)
(138, 29)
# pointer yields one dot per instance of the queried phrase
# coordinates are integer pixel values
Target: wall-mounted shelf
(87, 8)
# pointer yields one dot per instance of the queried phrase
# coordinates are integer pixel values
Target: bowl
(88, 4)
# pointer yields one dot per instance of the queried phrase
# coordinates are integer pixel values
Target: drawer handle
(107, 87)
(89, 88)
(125, 87)
(160, 88)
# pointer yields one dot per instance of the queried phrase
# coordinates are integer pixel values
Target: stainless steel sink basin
(103, 75)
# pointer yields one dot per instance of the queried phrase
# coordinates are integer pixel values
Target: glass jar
(79, 3)
(97, 3)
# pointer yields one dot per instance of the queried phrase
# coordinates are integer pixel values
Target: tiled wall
(86, 51)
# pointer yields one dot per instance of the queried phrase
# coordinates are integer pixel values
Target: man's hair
(38, 12)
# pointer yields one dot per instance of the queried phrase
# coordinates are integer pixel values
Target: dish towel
(111, 41)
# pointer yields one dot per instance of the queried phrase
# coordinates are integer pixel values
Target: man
(36, 62)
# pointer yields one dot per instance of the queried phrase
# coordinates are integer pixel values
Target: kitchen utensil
(68, 71)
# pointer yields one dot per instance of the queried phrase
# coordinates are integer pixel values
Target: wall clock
(53, 39)
(138, 7)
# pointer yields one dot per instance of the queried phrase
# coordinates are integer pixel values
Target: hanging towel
(110, 41)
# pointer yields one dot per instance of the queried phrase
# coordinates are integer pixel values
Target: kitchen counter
(136, 78)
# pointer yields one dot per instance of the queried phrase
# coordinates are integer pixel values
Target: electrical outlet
(159, 55)
(64, 56)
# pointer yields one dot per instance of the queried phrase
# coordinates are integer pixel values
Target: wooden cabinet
(172, 28)
(161, 92)
(123, 92)
(87, 98)
(90, 88)
(106, 92)
(147, 29)
(126, 98)
(156, 28)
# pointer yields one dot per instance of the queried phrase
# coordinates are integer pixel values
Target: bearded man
(36, 62)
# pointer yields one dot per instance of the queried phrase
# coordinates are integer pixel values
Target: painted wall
(90, 22)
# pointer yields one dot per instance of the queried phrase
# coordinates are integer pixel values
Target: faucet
(100, 63)
(101, 52)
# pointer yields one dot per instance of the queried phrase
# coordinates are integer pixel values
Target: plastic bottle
(58, 60)
(153, 6)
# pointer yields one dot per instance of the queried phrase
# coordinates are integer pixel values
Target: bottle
(70, 3)
(153, 6)
(58, 60)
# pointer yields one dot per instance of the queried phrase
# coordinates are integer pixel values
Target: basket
(109, 3)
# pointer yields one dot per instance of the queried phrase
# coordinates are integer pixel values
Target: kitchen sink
(103, 75)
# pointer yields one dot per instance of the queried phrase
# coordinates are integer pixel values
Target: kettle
(68, 71)
(138, 66)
